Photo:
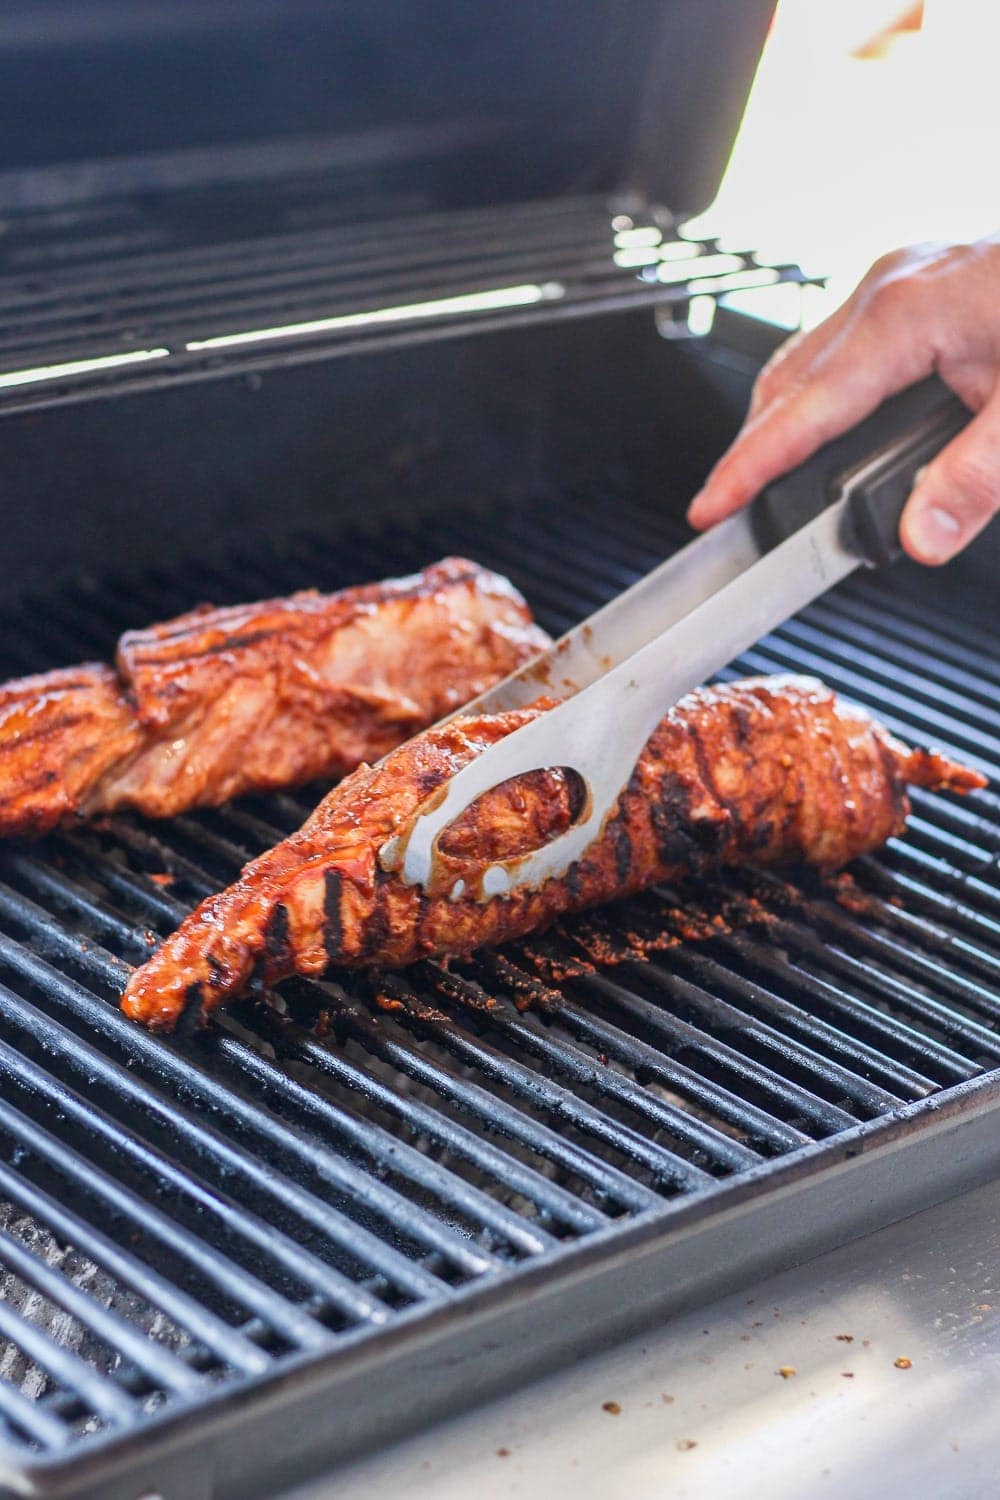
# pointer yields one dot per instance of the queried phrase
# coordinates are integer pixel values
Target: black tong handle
(876, 464)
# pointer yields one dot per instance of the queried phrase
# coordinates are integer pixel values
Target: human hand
(923, 309)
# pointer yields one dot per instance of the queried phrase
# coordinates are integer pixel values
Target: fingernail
(934, 533)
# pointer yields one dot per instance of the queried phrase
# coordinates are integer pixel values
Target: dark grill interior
(185, 1218)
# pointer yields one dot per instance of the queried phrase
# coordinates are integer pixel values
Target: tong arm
(724, 596)
(600, 733)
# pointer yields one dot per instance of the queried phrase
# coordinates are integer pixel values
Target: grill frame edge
(440, 1364)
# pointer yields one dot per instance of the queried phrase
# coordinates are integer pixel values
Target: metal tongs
(623, 668)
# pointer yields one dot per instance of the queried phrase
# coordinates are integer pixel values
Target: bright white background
(870, 125)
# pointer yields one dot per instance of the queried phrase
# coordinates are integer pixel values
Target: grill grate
(186, 1218)
(110, 308)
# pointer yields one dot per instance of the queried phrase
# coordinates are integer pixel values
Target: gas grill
(231, 1257)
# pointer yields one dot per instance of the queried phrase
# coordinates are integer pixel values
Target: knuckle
(902, 278)
(888, 264)
(957, 258)
(766, 384)
(894, 297)
(899, 274)
(776, 376)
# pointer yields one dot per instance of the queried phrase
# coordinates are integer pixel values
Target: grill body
(229, 1258)
(340, 1221)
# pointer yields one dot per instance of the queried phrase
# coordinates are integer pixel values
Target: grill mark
(43, 777)
(192, 1014)
(276, 943)
(576, 794)
(621, 845)
(742, 722)
(73, 672)
(231, 643)
(60, 682)
(428, 780)
(203, 617)
(333, 927)
(673, 825)
(423, 909)
(378, 927)
(44, 731)
(704, 765)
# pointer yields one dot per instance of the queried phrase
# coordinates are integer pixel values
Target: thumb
(958, 493)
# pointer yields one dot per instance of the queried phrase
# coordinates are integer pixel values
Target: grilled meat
(259, 696)
(62, 734)
(770, 770)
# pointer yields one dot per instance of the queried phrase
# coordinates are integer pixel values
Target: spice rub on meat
(766, 771)
(254, 697)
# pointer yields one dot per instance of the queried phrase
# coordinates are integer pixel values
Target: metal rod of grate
(317, 287)
(299, 1179)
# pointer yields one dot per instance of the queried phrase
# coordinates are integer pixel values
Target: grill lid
(471, 104)
(190, 192)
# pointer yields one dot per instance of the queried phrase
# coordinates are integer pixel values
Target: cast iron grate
(185, 1219)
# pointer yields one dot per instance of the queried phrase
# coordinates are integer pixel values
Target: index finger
(845, 383)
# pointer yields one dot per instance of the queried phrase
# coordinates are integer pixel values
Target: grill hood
(354, 180)
(459, 106)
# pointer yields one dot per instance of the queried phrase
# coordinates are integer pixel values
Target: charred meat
(765, 771)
